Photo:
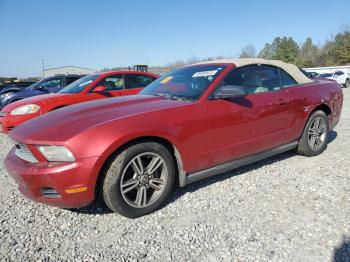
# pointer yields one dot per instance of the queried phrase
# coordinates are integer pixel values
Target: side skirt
(238, 163)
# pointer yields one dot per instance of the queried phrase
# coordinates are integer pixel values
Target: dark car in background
(19, 85)
(47, 85)
(314, 74)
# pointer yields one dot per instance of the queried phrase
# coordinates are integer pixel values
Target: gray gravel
(286, 208)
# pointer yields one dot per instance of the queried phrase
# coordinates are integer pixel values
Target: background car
(339, 76)
(87, 88)
(190, 124)
(19, 84)
(53, 84)
(313, 74)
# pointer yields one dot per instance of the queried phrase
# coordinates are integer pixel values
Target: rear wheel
(347, 83)
(315, 135)
(139, 180)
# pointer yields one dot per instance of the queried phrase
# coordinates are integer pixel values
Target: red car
(91, 87)
(190, 124)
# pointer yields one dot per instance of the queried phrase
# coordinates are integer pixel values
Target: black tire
(304, 147)
(347, 83)
(121, 165)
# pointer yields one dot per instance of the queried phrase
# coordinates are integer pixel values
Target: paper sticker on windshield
(85, 83)
(205, 73)
(166, 80)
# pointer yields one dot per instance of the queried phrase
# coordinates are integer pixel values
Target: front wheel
(315, 135)
(139, 180)
(347, 83)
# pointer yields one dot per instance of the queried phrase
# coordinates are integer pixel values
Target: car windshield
(35, 85)
(326, 75)
(79, 85)
(187, 83)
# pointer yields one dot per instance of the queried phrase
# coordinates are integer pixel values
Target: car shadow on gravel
(342, 253)
(235, 172)
(332, 136)
(99, 208)
(238, 171)
(95, 208)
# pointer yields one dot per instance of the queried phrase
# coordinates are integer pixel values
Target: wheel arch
(323, 107)
(180, 173)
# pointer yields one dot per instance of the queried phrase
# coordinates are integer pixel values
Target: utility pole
(43, 67)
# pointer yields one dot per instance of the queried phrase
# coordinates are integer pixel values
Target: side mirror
(43, 89)
(99, 89)
(227, 92)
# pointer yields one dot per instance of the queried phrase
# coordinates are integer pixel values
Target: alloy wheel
(143, 179)
(317, 133)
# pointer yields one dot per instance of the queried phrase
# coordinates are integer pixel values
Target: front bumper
(32, 178)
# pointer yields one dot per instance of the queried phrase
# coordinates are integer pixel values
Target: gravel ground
(286, 208)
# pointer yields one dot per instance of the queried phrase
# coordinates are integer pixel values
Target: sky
(104, 34)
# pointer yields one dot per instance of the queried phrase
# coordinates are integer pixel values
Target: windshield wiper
(173, 97)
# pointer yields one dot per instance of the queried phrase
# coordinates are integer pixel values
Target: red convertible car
(91, 87)
(192, 123)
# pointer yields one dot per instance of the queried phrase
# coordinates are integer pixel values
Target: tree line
(334, 52)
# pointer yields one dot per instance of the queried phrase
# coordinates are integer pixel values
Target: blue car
(19, 84)
(47, 85)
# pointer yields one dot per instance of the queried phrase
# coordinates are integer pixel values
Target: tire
(347, 83)
(313, 135)
(125, 172)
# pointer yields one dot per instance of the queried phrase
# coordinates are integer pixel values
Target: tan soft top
(291, 69)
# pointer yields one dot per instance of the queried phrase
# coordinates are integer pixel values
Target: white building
(65, 70)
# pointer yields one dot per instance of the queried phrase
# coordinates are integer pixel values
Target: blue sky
(98, 34)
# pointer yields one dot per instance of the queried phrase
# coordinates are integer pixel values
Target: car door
(340, 77)
(114, 86)
(134, 83)
(252, 123)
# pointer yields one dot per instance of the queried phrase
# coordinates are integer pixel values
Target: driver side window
(254, 78)
(52, 83)
(114, 82)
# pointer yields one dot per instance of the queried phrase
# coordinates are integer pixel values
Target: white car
(339, 76)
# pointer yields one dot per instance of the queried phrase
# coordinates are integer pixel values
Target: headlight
(56, 153)
(5, 95)
(24, 110)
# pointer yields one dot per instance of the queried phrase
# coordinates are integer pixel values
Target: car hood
(33, 98)
(11, 89)
(63, 124)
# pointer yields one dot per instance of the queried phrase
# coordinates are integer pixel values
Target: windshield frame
(36, 84)
(92, 80)
(220, 67)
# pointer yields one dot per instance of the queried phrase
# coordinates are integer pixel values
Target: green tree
(267, 52)
(284, 49)
(309, 54)
(342, 48)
